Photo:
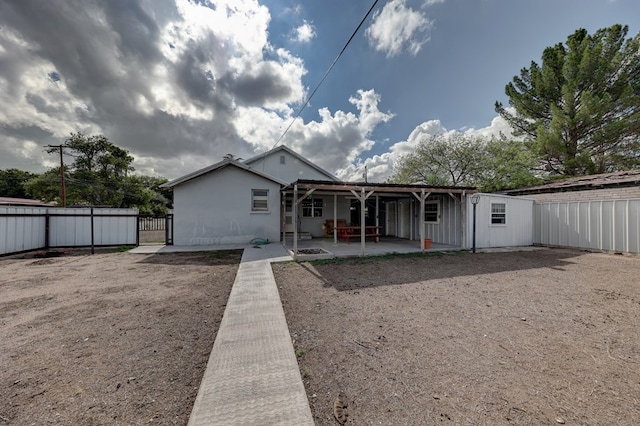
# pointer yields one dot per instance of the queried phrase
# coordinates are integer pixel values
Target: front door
(390, 227)
(288, 215)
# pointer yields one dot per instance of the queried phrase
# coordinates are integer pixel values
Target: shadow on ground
(403, 269)
(219, 257)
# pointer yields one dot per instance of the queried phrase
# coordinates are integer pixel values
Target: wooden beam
(306, 194)
(384, 189)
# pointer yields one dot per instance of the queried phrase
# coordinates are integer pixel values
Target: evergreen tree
(582, 105)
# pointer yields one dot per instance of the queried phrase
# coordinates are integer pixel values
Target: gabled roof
(218, 166)
(582, 183)
(294, 154)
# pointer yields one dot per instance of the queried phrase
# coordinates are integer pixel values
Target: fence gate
(155, 229)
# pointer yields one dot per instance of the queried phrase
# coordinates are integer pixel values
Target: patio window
(498, 214)
(259, 200)
(312, 207)
(432, 211)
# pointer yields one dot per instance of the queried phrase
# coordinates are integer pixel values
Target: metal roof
(582, 183)
(377, 187)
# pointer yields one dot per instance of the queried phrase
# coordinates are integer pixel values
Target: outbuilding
(598, 212)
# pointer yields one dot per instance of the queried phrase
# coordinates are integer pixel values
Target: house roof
(10, 201)
(582, 183)
(293, 153)
(218, 166)
(378, 187)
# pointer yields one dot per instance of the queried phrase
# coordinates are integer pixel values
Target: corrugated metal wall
(19, 232)
(612, 225)
(24, 228)
(448, 230)
(517, 231)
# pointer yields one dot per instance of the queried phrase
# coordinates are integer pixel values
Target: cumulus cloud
(164, 79)
(398, 27)
(380, 167)
(333, 142)
(304, 33)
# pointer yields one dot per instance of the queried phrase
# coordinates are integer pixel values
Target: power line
(326, 73)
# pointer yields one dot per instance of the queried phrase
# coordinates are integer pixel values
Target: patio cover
(362, 191)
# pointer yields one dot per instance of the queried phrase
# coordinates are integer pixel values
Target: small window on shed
(498, 214)
(432, 211)
(259, 200)
(282, 159)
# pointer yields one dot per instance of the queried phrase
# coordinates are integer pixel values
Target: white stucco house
(280, 194)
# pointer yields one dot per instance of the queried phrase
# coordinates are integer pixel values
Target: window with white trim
(432, 211)
(312, 207)
(259, 200)
(498, 214)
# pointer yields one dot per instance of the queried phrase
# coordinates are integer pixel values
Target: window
(498, 214)
(312, 207)
(431, 211)
(282, 159)
(259, 200)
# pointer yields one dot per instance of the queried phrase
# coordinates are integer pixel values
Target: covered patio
(308, 249)
(372, 218)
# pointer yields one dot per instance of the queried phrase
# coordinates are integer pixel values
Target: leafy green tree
(582, 105)
(454, 159)
(458, 159)
(98, 175)
(101, 174)
(145, 193)
(12, 183)
(509, 164)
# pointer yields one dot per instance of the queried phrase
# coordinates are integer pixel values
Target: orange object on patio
(427, 243)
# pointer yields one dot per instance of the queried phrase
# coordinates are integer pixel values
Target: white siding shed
(501, 221)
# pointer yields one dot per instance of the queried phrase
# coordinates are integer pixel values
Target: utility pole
(63, 195)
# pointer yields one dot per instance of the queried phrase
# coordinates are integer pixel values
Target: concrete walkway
(252, 376)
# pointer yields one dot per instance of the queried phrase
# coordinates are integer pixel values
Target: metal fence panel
(602, 225)
(21, 229)
(25, 228)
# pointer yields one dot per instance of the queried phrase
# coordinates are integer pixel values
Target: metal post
(475, 199)
(474, 227)
(92, 237)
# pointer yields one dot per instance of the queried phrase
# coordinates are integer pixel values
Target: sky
(180, 84)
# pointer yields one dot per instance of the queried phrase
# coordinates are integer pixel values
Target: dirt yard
(528, 338)
(110, 338)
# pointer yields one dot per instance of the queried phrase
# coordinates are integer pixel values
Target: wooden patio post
(295, 220)
(422, 200)
(363, 230)
(335, 218)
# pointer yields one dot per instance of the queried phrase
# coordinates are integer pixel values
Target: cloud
(333, 142)
(397, 28)
(380, 167)
(164, 79)
(304, 33)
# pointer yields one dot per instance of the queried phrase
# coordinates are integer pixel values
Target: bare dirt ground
(526, 338)
(110, 338)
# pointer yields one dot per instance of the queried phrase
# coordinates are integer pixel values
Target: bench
(347, 232)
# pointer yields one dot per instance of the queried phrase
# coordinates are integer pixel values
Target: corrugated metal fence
(612, 225)
(30, 228)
